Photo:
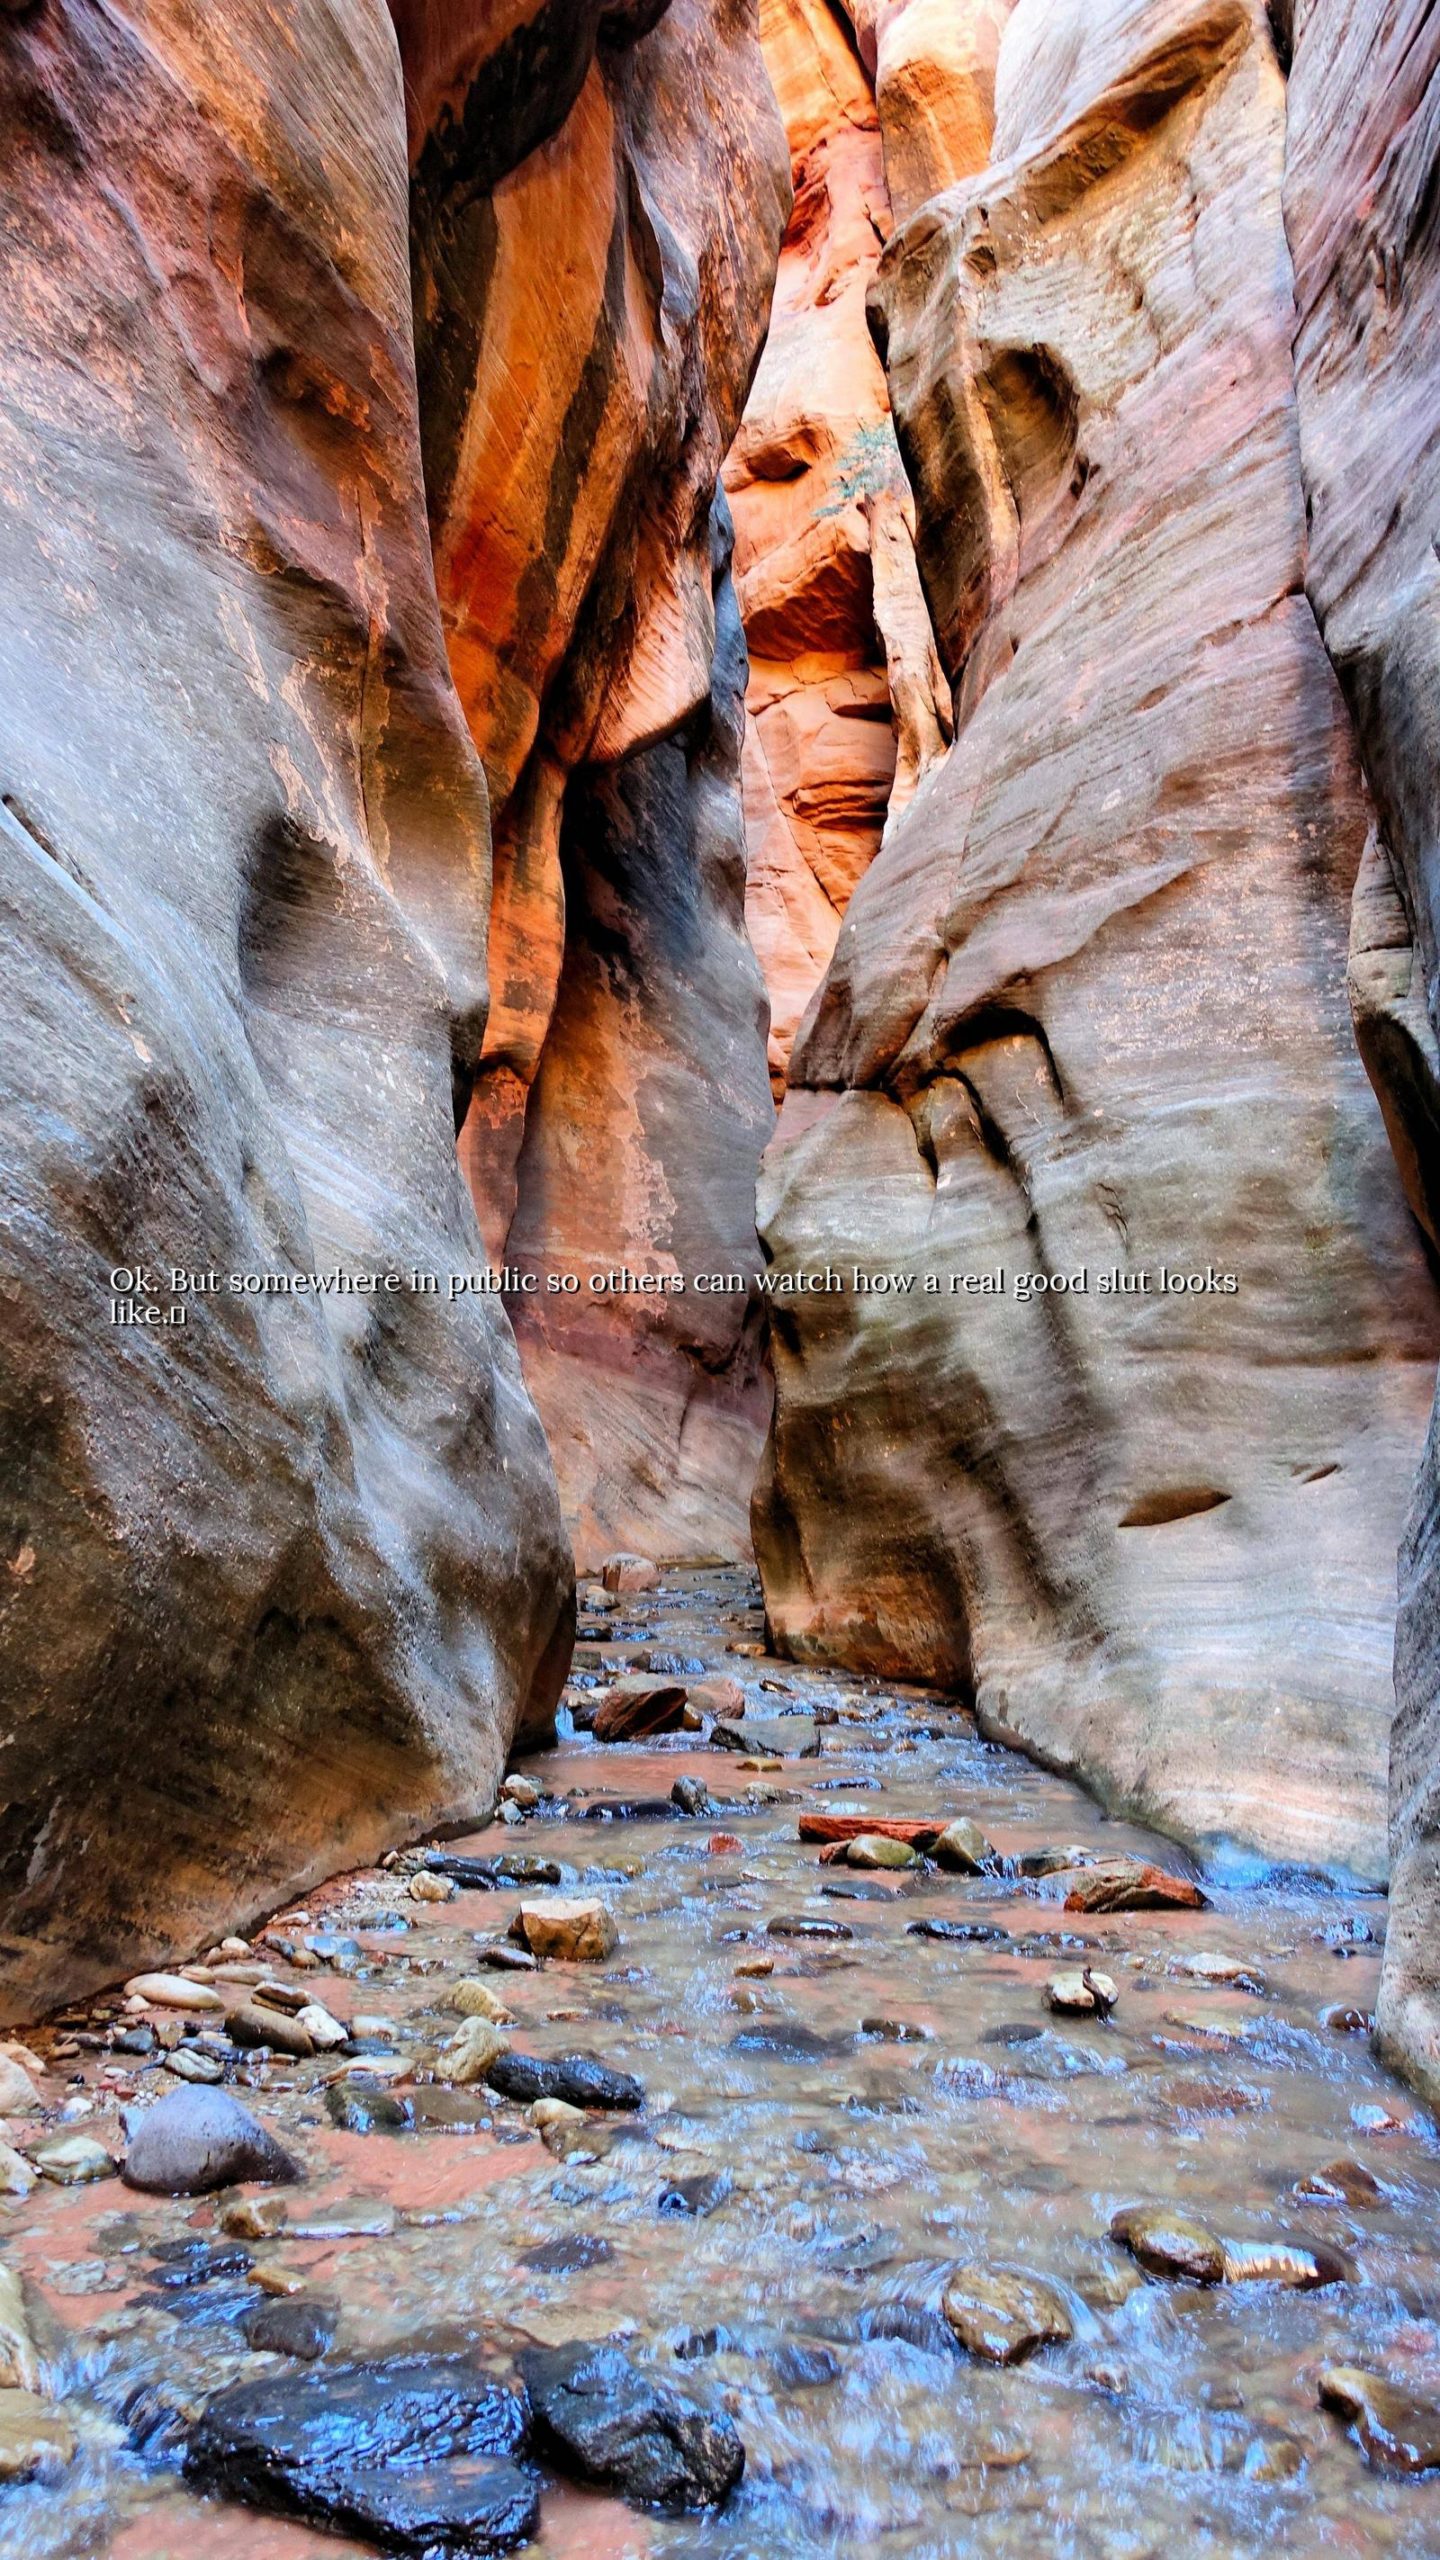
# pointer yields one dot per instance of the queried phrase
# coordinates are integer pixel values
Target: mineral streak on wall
(279, 1583)
(1087, 1006)
(597, 197)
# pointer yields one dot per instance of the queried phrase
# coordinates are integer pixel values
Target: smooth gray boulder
(198, 2139)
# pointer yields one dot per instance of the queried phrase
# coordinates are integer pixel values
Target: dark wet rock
(692, 1796)
(1346, 2182)
(503, 1957)
(138, 2040)
(693, 2198)
(198, 2139)
(573, 2077)
(598, 2416)
(569, 2255)
(800, 1925)
(1132, 1884)
(294, 2326)
(182, 2263)
(638, 1707)
(355, 2107)
(507, 1866)
(1011, 2033)
(728, 1737)
(1003, 2317)
(1396, 2430)
(386, 2450)
(799, 2366)
(895, 2030)
(1167, 2243)
(469, 2506)
(627, 1809)
(978, 1933)
(855, 1889)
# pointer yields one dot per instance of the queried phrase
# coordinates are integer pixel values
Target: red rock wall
(1362, 148)
(1087, 1009)
(281, 1581)
(598, 199)
(846, 704)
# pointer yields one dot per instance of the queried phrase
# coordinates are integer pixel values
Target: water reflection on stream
(850, 2170)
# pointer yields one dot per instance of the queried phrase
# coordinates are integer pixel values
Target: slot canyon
(720, 1570)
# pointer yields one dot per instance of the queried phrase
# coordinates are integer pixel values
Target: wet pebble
(1003, 2316)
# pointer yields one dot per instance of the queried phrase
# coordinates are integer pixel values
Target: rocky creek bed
(903, 2163)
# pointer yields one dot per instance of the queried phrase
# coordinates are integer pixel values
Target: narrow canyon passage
(844, 2172)
(719, 1235)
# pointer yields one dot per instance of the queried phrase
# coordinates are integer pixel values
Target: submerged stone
(1003, 2317)
(1340, 2182)
(1396, 2430)
(297, 2326)
(357, 2106)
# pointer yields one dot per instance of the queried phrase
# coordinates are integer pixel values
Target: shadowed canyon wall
(286, 1577)
(598, 198)
(1086, 1014)
(1361, 193)
(281, 1581)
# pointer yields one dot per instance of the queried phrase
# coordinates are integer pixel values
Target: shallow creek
(848, 2167)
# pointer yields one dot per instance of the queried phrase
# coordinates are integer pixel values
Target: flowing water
(878, 2109)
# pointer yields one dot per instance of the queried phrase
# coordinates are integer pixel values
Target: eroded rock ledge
(1086, 1011)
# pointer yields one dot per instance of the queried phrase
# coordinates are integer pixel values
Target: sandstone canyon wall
(1361, 191)
(598, 197)
(847, 703)
(1086, 1012)
(281, 1581)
